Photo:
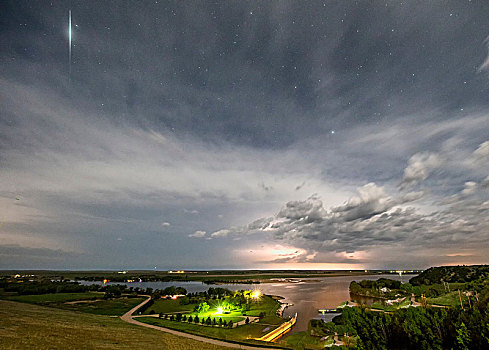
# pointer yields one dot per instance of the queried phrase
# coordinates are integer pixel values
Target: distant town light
(219, 310)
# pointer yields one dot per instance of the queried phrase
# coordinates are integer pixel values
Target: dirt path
(127, 317)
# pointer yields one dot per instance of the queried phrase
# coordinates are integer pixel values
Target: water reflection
(307, 296)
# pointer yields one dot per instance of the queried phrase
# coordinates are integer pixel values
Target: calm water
(308, 296)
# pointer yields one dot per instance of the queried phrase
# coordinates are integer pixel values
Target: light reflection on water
(307, 297)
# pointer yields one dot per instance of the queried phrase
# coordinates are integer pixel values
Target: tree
(190, 319)
(230, 324)
(203, 308)
(179, 317)
(247, 320)
(208, 321)
(220, 322)
(196, 319)
(184, 318)
(463, 337)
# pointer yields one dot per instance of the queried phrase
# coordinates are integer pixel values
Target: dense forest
(413, 328)
(451, 274)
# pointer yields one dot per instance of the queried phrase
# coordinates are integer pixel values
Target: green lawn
(302, 340)
(242, 333)
(43, 299)
(116, 307)
(269, 306)
(168, 306)
(450, 299)
(28, 326)
(95, 304)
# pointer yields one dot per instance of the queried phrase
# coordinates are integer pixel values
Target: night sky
(232, 134)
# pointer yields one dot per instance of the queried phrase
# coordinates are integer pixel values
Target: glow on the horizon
(287, 257)
(313, 266)
(219, 310)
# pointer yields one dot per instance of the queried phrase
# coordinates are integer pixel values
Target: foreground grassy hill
(25, 326)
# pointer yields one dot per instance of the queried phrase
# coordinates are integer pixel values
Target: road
(127, 317)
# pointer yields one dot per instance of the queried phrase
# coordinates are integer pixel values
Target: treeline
(228, 281)
(451, 274)
(36, 287)
(372, 288)
(124, 278)
(204, 321)
(415, 328)
(45, 287)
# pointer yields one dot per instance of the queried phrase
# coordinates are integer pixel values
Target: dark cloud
(372, 220)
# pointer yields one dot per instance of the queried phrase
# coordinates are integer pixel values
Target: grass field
(450, 299)
(269, 306)
(116, 307)
(168, 306)
(43, 299)
(302, 340)
(95, 303)
(27, 326)
(235, 334)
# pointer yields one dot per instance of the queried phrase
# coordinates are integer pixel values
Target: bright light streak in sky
(69, 34)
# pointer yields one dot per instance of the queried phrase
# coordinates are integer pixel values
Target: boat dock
(328, 311)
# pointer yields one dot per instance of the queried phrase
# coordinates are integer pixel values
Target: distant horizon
(231, 270)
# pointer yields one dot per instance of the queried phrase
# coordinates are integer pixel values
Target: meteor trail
(69, 50)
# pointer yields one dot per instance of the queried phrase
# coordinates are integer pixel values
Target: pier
(279, 331)
(328, 311)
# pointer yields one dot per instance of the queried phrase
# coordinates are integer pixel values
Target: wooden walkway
(280, 330)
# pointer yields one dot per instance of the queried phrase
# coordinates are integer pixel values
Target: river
(307, 296)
